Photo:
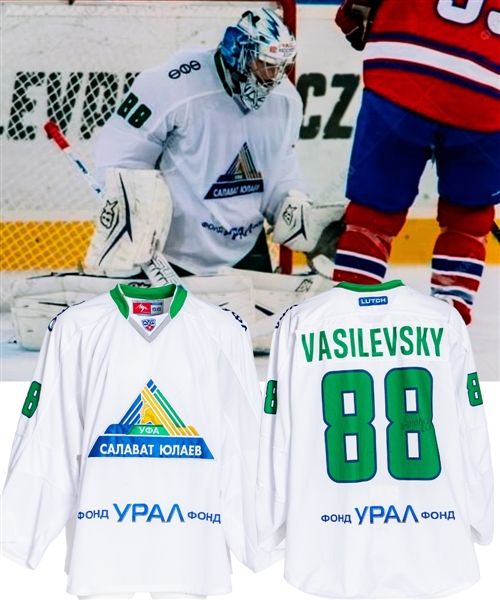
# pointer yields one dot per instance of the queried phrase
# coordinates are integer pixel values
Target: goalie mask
(259, 52)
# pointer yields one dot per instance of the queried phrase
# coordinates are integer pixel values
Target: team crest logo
(241, 178)
(151, 428)
(148, 324)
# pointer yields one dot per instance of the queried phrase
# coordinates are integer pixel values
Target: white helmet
(259, 51)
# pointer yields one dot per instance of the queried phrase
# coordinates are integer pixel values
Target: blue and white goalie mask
(259, 52)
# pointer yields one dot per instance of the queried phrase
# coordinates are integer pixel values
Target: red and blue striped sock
(459, 253)
(364, 247)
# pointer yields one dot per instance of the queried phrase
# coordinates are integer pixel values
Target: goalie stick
(158, 269)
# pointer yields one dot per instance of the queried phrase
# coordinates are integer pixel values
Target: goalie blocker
(133, 223)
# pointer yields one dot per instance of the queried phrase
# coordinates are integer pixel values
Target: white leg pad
(37, 300)
(234, 291)
(258, 298)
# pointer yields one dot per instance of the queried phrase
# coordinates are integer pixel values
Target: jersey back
(374, 460)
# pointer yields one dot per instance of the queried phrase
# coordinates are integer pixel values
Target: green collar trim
(378, 287)
(122, 291)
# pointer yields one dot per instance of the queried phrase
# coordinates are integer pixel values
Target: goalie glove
(355, 19)
(301, 222)
(133, 224)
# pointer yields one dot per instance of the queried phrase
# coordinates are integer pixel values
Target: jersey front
(226, 170)
(374, 459)
(439, 58)
(139, 432)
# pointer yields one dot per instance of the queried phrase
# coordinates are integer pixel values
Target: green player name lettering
(383, 342)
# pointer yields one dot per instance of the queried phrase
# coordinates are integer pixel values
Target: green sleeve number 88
(32, 399)
(271, 399)
(350, 438)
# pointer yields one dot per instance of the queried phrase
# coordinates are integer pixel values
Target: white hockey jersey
(226, 170)
(374, 457)
(140, 430)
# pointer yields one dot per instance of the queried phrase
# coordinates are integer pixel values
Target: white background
(48, 582)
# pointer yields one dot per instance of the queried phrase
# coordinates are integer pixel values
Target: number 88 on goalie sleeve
(374, 461)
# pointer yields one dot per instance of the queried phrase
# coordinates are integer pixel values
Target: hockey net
(72, 62)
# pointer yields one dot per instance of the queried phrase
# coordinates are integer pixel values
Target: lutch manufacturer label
(373, 300)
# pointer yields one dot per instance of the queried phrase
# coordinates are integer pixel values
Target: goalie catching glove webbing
(302, 223)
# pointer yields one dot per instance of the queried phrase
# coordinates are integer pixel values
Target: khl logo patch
(148, 324)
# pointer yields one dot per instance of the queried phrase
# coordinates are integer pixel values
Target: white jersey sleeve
(241, 412)
(137, 143)
(44, 464)
(476, 456)
(290, 175)
(274, 449)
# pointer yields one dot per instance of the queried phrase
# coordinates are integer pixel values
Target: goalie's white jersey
(140, 430)
(374, 457)
(226, 170)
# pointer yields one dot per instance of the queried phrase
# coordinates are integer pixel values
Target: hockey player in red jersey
(432, 90)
